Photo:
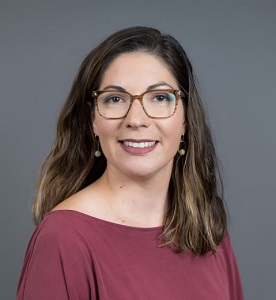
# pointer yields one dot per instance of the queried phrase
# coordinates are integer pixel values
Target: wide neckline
(103, 221)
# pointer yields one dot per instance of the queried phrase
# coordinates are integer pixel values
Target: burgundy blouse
(75, 256)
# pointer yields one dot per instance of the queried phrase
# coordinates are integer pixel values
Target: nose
(136, 116)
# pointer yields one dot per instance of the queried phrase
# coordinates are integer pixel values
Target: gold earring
(97, 152)
(180, 150)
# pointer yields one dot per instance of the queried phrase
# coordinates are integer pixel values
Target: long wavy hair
(196, 219)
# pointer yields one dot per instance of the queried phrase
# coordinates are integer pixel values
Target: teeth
(138, 145)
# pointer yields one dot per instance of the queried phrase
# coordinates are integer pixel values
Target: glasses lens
(113, 104)
(156, 103)
(159, 103)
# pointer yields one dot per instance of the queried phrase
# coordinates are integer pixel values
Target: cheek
(179, 121)
(177, 129)
(103, 130)
(106, 130)
(176, 138)
(172, 131)
(101, 127)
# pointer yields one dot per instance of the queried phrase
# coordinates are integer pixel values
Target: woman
(128, 205)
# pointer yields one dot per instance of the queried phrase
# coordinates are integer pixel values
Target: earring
(180, 150)
(97, 152)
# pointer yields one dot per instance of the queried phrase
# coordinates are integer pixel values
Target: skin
(133, 189)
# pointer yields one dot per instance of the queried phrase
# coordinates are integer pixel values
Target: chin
(147, 171)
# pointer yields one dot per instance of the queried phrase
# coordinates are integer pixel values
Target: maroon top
(75, 256)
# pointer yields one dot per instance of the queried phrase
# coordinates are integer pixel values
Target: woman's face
(158, 139)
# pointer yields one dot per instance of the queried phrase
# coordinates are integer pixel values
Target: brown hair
(196, 217)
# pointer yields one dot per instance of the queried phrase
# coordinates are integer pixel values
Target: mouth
(136, 144)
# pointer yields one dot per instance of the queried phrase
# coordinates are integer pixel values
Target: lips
(138, 147)
(145, 144)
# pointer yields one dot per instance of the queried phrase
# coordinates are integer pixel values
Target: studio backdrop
(232, 45)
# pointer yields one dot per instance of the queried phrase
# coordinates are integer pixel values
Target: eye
(163, 97)
(113, 99)
(109, 98)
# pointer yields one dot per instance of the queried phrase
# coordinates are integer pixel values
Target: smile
(138, 145)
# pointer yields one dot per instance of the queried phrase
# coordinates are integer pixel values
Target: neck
(140, 202)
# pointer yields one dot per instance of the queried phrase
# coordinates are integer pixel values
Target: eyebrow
(154, 86)
(114, 87)
(149, 88)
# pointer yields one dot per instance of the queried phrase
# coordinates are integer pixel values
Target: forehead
(137, 69)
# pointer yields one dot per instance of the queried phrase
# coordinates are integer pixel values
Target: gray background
(232, 46)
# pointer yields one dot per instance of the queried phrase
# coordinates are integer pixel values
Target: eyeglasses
(157, 104)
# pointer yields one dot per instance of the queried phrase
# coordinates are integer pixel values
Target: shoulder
(62, 223)
(67, 231)
(89, 201)
(225, 257)
(62, 231)
(59, 256)
(225, 248)
(228, 259)
(60, 240)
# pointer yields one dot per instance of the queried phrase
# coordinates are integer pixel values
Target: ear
(94, 123)
(92, 118)
(184, 127)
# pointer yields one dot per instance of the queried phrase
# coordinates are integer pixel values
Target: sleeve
(57, 265)
(234, 280)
